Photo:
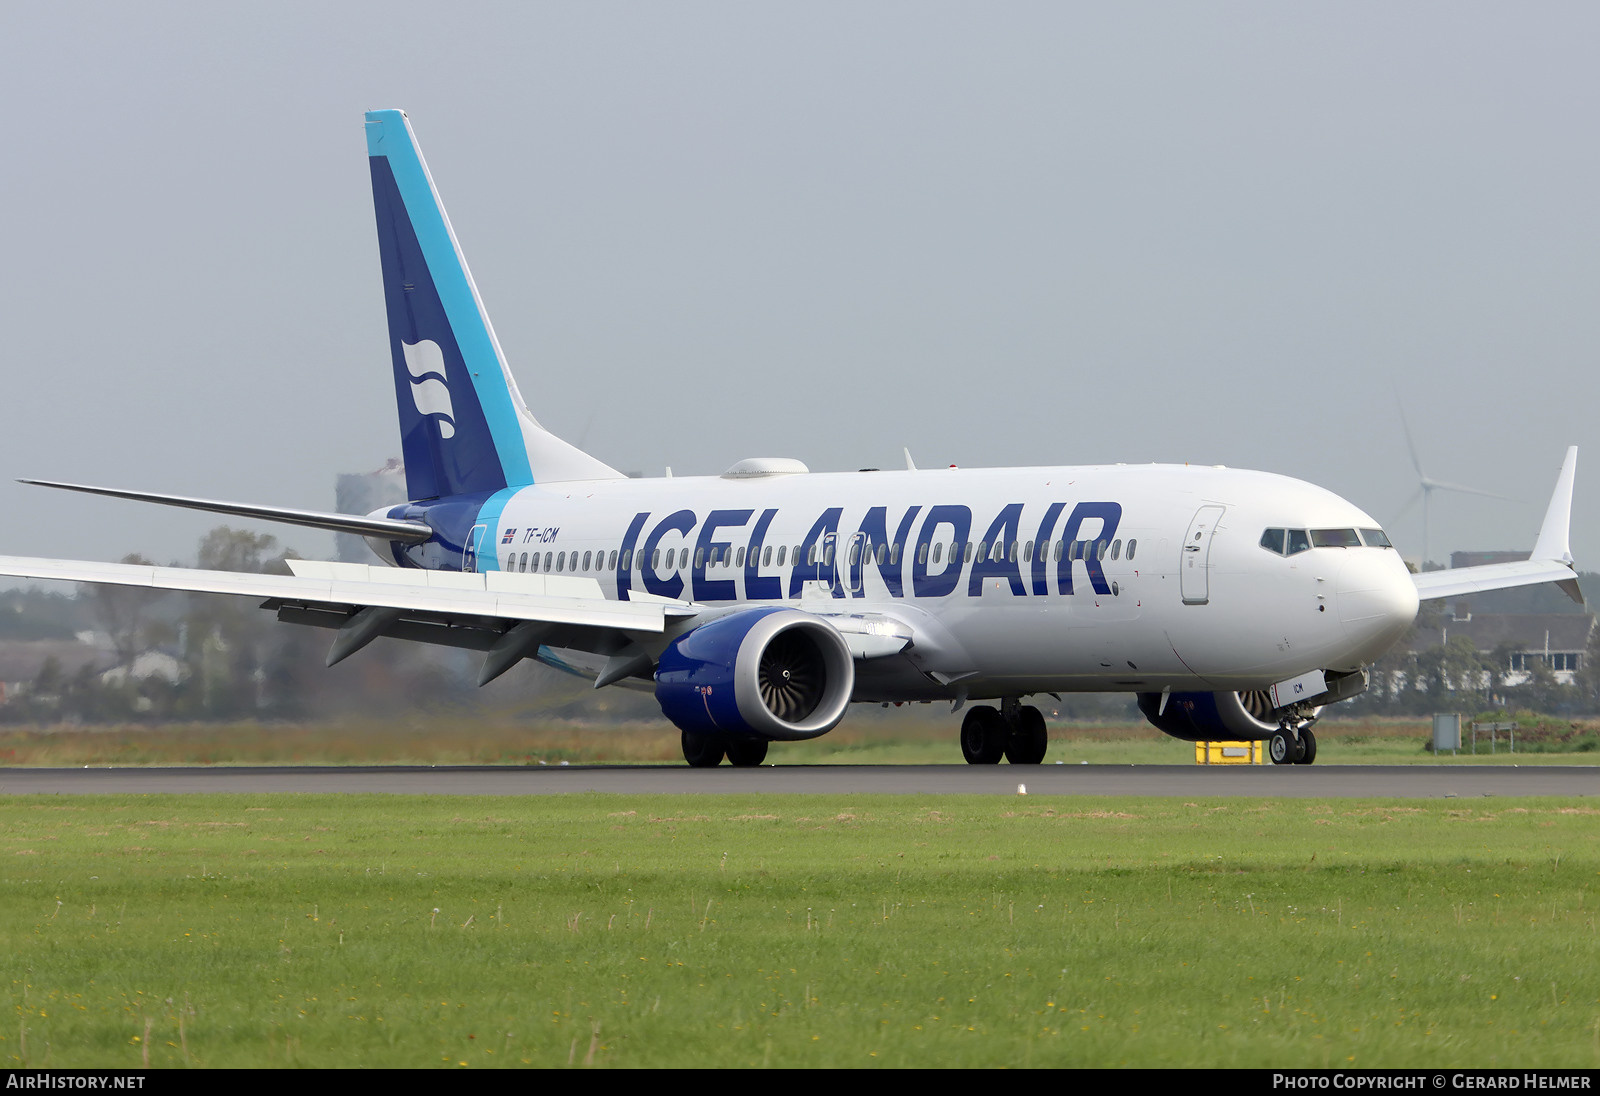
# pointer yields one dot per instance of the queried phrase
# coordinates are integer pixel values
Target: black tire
(1029, 739)
(746, 753)
(1281, 748)
(984, 735)
(1308, 747)
(702, 751)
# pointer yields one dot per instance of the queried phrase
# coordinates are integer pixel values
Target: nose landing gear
(1293, 743)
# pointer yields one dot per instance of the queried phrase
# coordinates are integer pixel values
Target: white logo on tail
(425, 362)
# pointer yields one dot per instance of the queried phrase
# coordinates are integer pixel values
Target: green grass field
(798, 931)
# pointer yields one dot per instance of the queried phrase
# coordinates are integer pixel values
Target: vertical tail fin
(464, 428)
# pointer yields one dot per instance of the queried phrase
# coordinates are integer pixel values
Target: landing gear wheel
(984, 735)
(1308, 747)
(746, 753)
(1028, 739)
(1284, 748)
(702, 751)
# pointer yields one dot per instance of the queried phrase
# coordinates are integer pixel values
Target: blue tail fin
(463, 426)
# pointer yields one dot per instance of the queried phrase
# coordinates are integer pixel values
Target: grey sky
(999, 234)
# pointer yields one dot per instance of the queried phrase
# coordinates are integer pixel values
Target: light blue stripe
(388, 137)
(489, 514)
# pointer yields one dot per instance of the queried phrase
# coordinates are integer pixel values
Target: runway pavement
(1328, 781)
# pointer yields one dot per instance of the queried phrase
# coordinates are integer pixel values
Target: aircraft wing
(509, 615)
(1550, 561)
(1459, 581)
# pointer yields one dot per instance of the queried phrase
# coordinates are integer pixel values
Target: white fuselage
(1121, 578)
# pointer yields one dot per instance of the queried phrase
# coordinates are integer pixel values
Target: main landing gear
(1292, 743)
(1014, 731)
(705, 751)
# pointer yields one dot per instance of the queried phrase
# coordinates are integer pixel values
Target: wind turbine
(1428, 485)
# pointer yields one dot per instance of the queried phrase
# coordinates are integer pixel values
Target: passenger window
(1056, 557)
(561, 561)
(1116, 549)
(827, 557)
(1132, 544)
(937, 548)
(611, 562)
(586, 557)
(967, 553)
(740, 561)
(1027, 552)
(883, 554)
(922, 553)
(894, 554)
(524, 561)
(983, 550)
(699, 556)
(781, 549)
(766, 555)
(1012, 552)
(511, 562)
(1100, 549)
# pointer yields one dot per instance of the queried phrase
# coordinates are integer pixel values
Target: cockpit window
(1290, 542)
(1335, 538)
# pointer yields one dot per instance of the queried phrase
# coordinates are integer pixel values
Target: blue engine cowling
(774, 673)
(1203, 717)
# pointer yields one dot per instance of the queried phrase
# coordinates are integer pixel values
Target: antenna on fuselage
(911, 465)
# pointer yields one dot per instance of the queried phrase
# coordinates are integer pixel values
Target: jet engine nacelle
(1203, 717)
(773, 673)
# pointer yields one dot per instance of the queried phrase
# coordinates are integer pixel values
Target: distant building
(1559, 640)
(148, 666)
(362, 493)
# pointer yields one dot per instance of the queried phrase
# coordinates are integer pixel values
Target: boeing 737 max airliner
(757, 605)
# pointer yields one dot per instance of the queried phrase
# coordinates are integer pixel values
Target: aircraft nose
(1377, 601)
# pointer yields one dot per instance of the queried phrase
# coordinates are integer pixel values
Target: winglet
(1551, 560)
(1553, 542)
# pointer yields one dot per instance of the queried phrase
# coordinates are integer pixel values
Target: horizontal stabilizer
(407, 532)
